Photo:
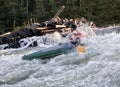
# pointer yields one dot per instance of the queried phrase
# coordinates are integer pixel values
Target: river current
(99, 66)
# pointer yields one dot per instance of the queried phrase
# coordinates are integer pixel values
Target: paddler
(75, 35)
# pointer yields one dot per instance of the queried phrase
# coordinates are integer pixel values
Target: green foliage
(17, 13)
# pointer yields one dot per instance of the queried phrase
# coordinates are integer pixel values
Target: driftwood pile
(55, 24)
(38, 30)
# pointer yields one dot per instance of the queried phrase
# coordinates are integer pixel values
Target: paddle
(80, 49)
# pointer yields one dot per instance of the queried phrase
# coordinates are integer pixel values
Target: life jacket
(77, 33)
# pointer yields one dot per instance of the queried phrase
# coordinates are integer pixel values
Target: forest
(18, 13)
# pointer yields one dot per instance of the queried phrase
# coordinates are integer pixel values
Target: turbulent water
(99, 66)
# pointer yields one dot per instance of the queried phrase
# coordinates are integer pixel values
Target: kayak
(61, 48)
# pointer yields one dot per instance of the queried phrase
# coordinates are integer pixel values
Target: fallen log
(5, 34)
(59, 11)
(60, 26)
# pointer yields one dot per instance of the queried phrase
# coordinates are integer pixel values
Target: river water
(99, 66)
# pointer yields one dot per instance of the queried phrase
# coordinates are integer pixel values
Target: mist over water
(99, 66)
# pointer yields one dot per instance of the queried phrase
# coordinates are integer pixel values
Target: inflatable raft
(61, 48)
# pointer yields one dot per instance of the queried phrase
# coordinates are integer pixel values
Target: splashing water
(97, 67)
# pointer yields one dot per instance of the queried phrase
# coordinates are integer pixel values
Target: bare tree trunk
(27, 5)
(80, 3)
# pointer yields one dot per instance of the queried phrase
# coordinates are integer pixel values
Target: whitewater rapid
(99, 66)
